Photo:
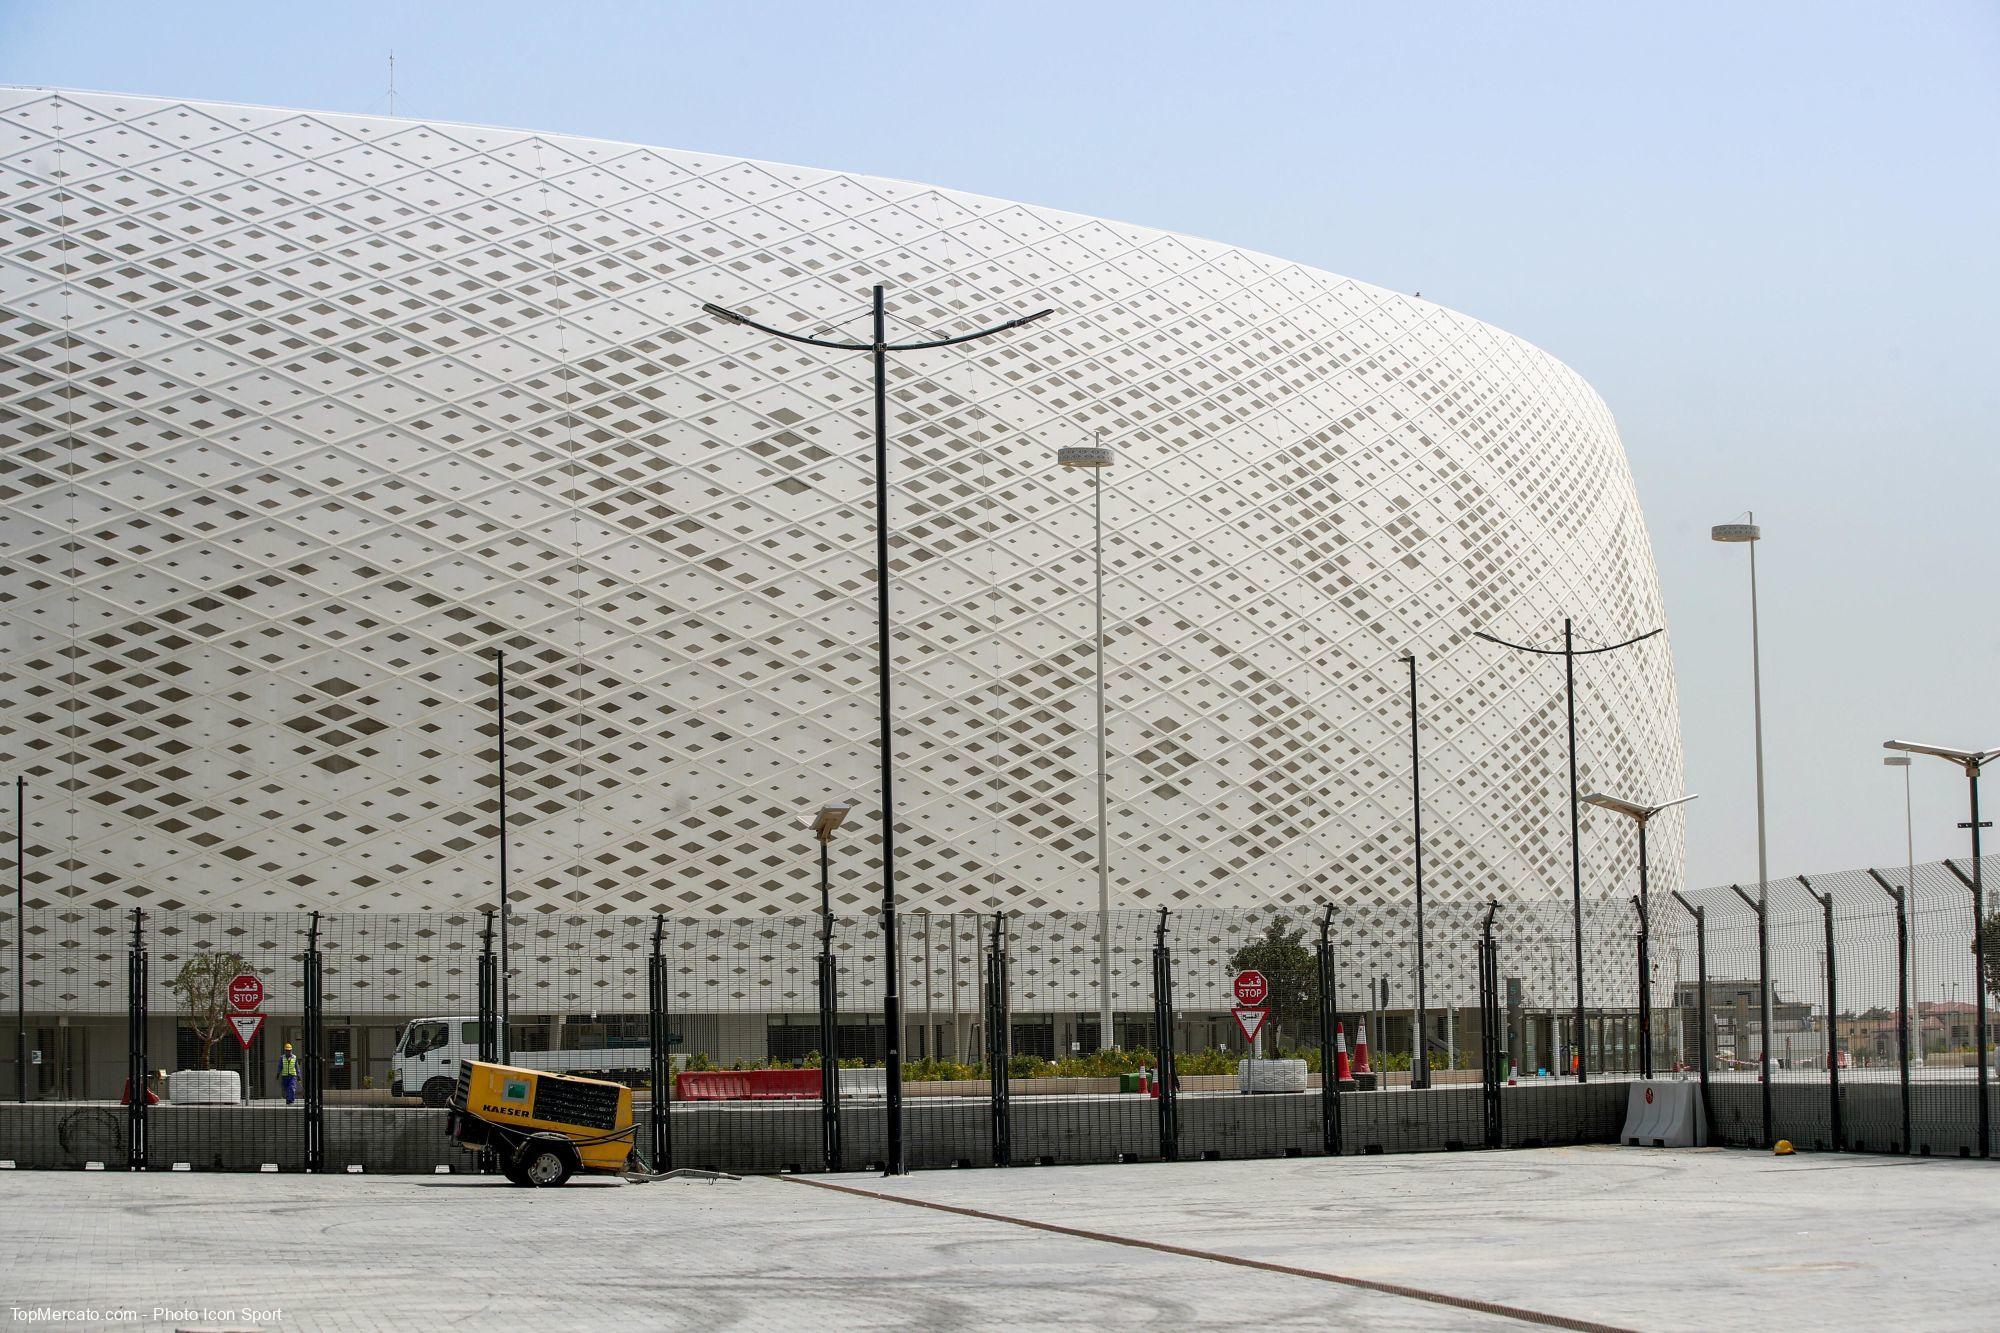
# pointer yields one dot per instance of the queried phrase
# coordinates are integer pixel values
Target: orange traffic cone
(1152, 1082)
(1364, 1077)
(1343, 1073)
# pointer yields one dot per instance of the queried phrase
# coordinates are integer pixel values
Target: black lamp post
(1569, 652)
(879, 348)
(1641, 815)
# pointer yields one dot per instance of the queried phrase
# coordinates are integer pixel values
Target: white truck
(429, 1051)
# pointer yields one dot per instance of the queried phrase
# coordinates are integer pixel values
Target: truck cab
(428, 1056)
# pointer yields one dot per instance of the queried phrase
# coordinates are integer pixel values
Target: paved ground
(1625, 1237)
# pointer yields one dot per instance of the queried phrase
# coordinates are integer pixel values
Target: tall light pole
(1569, 652)
(1641, 815)
(1971, 761)
(1420, 1061)
(879, 347)
(1902, 761)
(1096, 458)
(1747, 533)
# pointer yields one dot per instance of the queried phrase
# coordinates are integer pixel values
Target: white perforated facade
(306, 416)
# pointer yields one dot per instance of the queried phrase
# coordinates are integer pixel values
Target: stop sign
(245, 991)
(1251, 989)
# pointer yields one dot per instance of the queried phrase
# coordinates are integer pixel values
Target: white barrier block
(862, 1082)
(199, 1087)
(1664, 1113)
(1271, 1076)
(271, 1167)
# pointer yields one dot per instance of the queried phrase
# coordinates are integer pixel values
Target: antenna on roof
(392, 83)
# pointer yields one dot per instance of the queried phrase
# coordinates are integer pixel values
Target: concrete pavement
(1624, 1237)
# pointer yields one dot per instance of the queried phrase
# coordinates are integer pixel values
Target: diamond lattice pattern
(309, 416)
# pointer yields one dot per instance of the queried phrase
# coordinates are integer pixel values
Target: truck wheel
(544, 1166)
(437, 1091)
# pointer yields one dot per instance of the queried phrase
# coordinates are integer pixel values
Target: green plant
(203, 987)
(1987, 950)
(1206, 1062)
(929, 1070)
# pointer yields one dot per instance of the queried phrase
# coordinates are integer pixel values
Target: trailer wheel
(437, 1091)
(544, 1164)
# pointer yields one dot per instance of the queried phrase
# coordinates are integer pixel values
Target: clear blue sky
(1769, 234)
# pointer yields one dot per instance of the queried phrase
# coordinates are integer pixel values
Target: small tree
(203, 987)
(1292, 973)
(1988, 951)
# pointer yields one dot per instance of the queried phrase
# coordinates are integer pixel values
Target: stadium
(310, 420)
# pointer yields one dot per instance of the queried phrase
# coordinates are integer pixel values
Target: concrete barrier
(1271, 1076)
(944, 1131)
(1663, 1113)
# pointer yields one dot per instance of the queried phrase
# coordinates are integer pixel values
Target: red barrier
(746, 1085)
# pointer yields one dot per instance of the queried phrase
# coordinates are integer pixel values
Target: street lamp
(1095, 458)
(1641, 815)
(1747, 533)
(879, 347)
(822, 826)
(1902, 761)
(1569, 652)
(1971, 761)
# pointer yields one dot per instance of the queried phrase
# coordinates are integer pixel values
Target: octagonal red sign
(245, 991)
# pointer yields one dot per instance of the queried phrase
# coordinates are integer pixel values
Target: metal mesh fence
(1013, 1049)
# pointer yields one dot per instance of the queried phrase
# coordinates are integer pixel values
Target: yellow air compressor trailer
(543, 1128)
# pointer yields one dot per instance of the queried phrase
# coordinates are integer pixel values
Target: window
(424, 1037)
(468, 1034)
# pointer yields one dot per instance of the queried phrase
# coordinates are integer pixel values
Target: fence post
(135, 1062)
(1700, 915)
(1329, 1086)
(489, 1021)
(1902, 998)
(999, 1041)
(1763, 1006)
(1163, 1024)
(829, 1036)
(489, 1039)
(1825, 901)
(312, 1021)
(1973, 882)
(21, 940)
(1645, 990)
(659, 1043)
(1490, 1056)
